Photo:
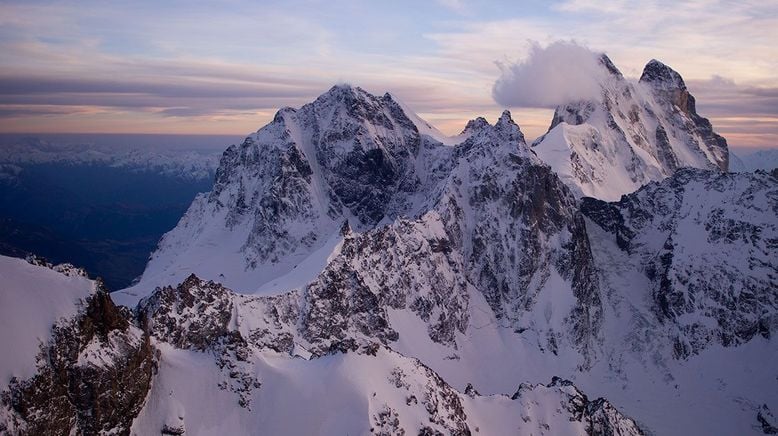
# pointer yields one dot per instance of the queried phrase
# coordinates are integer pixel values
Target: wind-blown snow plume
(557, 74)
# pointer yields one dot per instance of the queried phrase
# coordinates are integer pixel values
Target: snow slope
(635, 133)
(384, 393)
(33, 299)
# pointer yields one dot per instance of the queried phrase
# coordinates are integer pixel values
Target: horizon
(144, 68)
(205, 142)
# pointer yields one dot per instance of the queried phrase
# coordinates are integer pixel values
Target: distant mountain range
(176, 162)
(100, 206)
(765, 160)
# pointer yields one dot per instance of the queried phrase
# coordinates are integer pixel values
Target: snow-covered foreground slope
(211, 361)
(384, 393)
(259, 370)
(72, 362)
(34, 298)
(633, 134)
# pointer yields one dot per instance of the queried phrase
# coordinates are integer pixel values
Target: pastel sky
(201, 67)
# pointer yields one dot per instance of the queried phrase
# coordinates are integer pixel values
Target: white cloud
(559, 73)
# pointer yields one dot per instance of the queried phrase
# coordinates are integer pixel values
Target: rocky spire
(661, 76)
(606, 62)
(475, 125)
(669, 86)
(506, 126)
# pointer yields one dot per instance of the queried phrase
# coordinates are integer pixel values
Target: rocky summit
(355, 271)
(632, 134)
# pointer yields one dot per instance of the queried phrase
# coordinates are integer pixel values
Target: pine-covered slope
(634, 133)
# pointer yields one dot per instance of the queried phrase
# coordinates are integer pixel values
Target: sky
(202, 67)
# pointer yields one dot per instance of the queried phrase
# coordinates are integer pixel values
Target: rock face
(670, 90)
(707, 242)
(91, 378)
(633, 134)
(483, 216)
(278, 196)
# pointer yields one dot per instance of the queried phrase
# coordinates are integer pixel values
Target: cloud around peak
(549, 76)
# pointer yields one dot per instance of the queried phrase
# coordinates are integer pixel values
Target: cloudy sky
(201, 67)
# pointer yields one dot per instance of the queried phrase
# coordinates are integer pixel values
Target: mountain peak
(476, 124)
(611, 136)
(606, 62)
(660, 75)
(279, 116)
(507, 126)
(341, 91)
(505, 117)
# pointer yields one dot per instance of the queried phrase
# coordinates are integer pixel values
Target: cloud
(746, 115)
(170, 87)
(153, 66)
(14, 111)
(721, 97)
(559, 73)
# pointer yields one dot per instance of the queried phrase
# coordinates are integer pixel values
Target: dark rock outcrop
(92, 378)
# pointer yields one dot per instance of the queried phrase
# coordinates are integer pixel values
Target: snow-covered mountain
(634, 133)
(766, 160)
(706, 244)
(353, 271)
(282, 197)
(185, 164)
(88, 368)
